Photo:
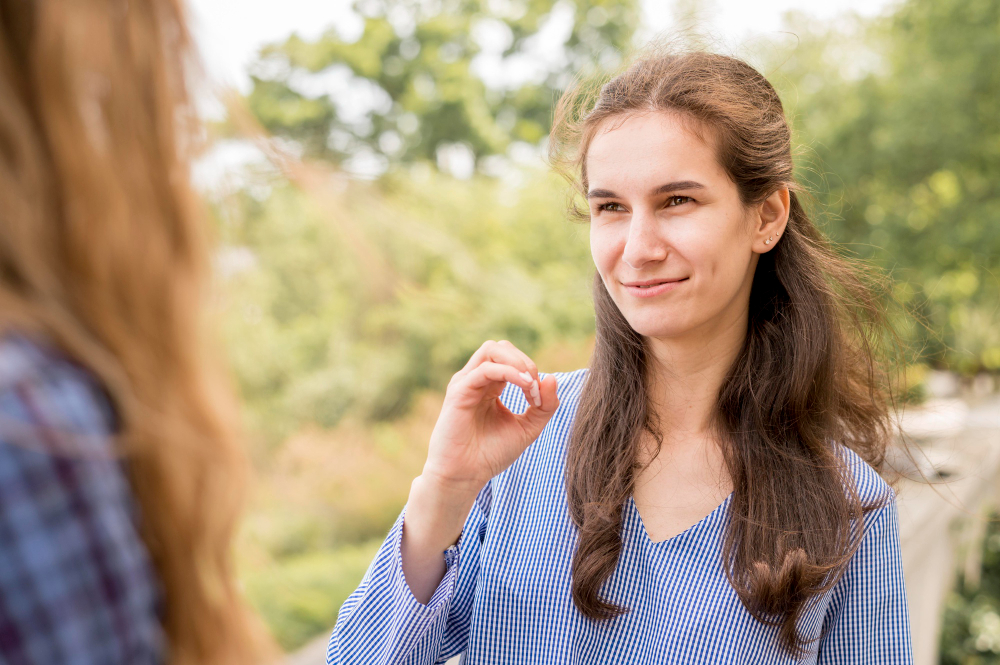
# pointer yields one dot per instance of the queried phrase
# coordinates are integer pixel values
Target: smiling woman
(691, 235)
(750, 376)
(707, 491)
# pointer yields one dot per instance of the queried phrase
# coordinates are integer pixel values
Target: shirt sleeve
(76, 583)
(381, 621)
(867, 619)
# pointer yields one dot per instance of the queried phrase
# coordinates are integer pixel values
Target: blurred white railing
(942, 523)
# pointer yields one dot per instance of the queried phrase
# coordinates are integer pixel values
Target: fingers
(549, 388)
(534, 420)
(529, 365)
(476, 359)
(534, 396)
(489, 378)
(500, 352)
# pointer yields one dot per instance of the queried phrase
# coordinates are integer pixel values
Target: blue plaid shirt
(76, 582)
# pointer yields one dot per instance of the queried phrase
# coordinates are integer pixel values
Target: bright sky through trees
(229, 32)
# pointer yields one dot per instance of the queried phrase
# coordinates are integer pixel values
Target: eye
(677, 200)
(611, 207)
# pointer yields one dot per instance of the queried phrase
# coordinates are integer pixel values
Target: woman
(120, 472)
(707, 491)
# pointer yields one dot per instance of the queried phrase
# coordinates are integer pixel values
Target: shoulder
(49, 400)
(57, 430)
(872, 490)
(867, 482)
(873, 580)
(69, 518)
(571, 383)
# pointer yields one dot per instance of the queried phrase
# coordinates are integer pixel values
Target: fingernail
(525, 376)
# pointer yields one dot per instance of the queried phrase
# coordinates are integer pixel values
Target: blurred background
(375, 175)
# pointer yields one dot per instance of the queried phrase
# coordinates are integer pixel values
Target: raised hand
(475, 438)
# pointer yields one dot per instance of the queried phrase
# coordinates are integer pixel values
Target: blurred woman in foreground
(121, 477)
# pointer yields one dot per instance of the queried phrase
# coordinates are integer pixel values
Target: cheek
(715, 246)
(724, 258)
(602, 248)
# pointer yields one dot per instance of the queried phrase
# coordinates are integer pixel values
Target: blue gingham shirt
(76, 582)
(505, 596)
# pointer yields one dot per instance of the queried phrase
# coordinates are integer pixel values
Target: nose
(644, 244)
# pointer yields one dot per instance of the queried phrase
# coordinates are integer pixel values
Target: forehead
(651, 147)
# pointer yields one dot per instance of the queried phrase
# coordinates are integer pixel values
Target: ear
(770, 219)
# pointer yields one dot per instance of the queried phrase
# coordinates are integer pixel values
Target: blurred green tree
(414, 80)
(311, 339)
(901, 116)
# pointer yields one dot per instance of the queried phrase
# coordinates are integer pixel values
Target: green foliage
(971, 631)
(416, 62)
(299, 597)
(465, 262)
(902, 120)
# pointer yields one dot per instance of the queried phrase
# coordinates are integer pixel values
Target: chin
(659, 325)
(661, 333)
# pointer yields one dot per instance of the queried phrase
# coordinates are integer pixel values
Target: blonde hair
(103, 250)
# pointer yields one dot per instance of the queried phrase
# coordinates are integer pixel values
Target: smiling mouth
(653, 290)
(654, 284)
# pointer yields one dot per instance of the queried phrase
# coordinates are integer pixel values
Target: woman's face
(663, 209)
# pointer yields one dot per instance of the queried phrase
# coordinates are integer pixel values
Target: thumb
(535, 418)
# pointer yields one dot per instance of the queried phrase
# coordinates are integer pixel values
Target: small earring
(768, 241)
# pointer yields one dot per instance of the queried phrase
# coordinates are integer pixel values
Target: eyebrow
(662, 189)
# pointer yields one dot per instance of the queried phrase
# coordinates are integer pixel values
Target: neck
(685, 375)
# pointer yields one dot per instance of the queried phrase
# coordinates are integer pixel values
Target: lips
(654, 282)
(652, 287)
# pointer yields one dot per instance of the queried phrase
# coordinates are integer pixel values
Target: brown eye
(611, 207)
(677, 200)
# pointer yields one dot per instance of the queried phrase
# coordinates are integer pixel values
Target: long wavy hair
(103, 251)
(812, 370)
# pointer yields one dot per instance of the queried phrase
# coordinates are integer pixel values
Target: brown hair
(810, 371)
(102, 250)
